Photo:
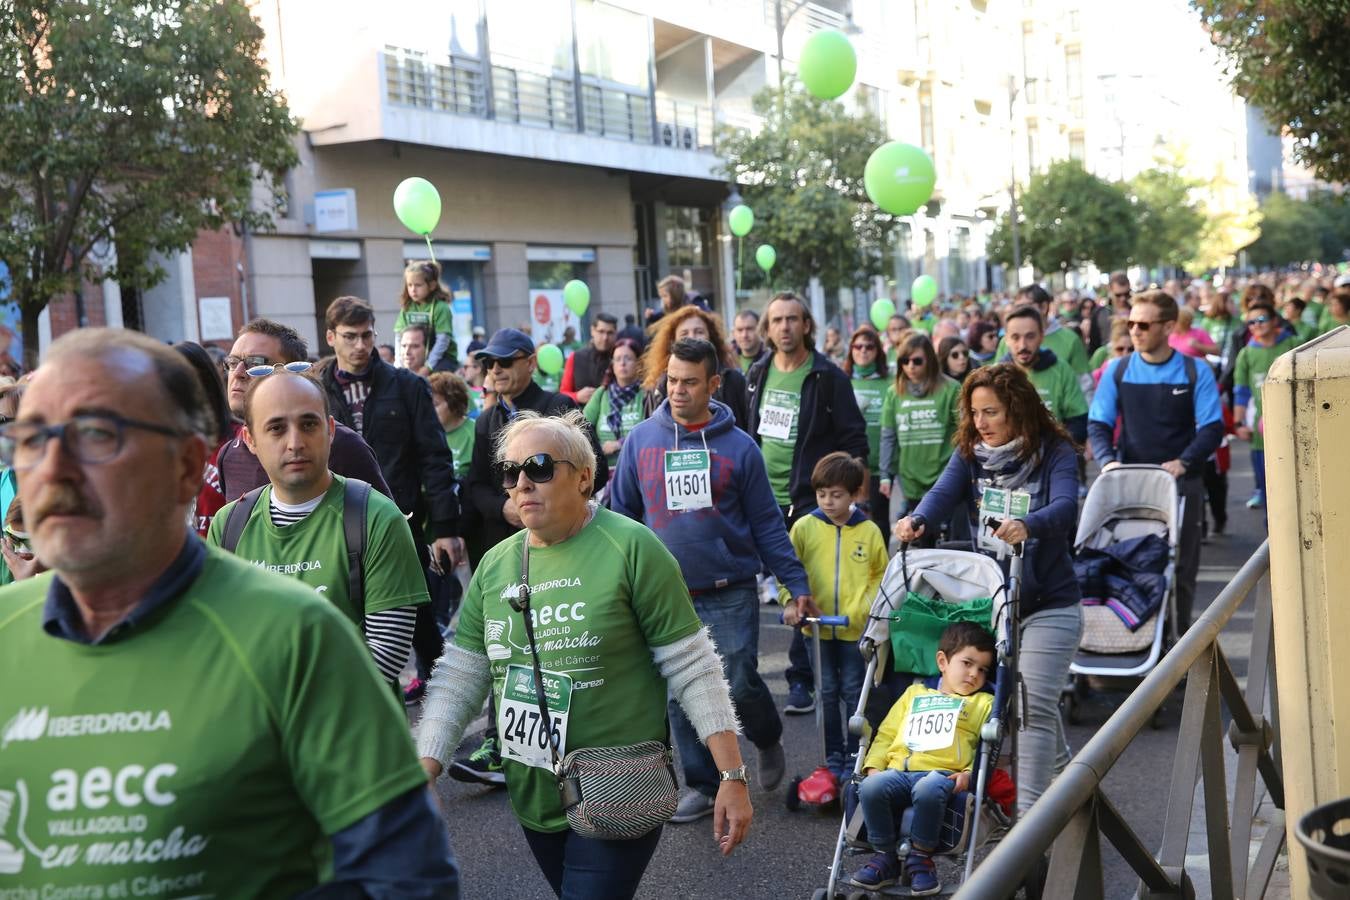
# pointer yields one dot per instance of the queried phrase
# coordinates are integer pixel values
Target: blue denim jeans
(581, 868)
(732, 617)
(842, 671)
(884, 796)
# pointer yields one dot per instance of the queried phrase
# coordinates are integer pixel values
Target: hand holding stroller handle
(829, 621)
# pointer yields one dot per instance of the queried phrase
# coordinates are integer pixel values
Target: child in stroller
(923, 753)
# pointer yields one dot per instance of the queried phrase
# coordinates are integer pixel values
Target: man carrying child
(923, 753)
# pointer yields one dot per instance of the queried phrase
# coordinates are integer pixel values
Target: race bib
(998, 504)
(931, 723)
(688, 480)
(776, 421)
(519, 725)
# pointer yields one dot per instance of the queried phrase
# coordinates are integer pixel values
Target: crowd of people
(588, 561)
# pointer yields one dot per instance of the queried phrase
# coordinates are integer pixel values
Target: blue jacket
(1048, 578)
(721, 545)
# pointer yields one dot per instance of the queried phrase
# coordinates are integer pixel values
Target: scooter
(820, 789)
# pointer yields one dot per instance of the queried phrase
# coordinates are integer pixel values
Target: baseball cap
(1342, 280)
(479, 331)
(507, 343)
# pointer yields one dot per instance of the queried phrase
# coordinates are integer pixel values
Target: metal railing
(1074, 814)
(617, 113)
(452, 85)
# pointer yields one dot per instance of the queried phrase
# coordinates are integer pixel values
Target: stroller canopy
(955, 576)
(1129, 492)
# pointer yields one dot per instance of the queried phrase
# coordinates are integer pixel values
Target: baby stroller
(972, 819)
(1126, 508)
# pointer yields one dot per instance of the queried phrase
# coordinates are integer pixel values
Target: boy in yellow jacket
(845, 556)
(922, 754)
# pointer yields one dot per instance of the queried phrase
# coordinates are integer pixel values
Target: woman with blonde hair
(918, 419)
(687, 323)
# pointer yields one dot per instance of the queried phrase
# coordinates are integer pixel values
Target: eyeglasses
(91, 439)
(1124, 296)
(1259, 320)
(538, 468)
(492, 362)
(357, 337)
(268, 368)
(864, 346)
(957, 354)
(230, 363)
(913, 361)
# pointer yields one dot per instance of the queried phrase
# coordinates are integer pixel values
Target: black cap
(506, 343)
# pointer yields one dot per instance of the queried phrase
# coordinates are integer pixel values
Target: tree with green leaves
(1288, 58)
(130, 124)
(1169, 217)
(1070, 218)
(802, 174)
(1297, 231)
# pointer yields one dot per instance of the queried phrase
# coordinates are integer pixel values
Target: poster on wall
(461, 320)
(551, 317)
(11, 326)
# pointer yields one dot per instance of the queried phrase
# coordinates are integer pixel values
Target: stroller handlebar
(829, 621)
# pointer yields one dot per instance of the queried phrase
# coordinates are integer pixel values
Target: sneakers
(693, 806)
(882, 870)
(922, 873)
(482, 766)
(772, 765)
(1258, 500)
(799, 702)
(412, 694)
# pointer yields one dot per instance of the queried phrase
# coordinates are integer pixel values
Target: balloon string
(429, 248)
(740, 264)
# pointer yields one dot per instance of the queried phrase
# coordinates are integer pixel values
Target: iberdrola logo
(26, 725)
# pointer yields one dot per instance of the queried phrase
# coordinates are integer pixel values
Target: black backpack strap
(1118, 375)
(238, 518)
(1191, 374)
(354, 502)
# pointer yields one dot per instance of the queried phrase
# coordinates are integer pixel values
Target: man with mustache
(298, 525)
(207, 700)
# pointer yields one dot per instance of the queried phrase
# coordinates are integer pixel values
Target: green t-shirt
(1253, 362)
(314, 550)
(1066, 344)
(1220, 331)
(779, 412)
(460, 441)
(870, 393)
(436, 314)
(1099, 356)
(746, 362)
(923, 433)
(1060, 391)
(597, 413)
(600, 600)
(208, 752)
(547, 382)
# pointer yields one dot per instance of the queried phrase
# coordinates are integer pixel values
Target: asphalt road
(788, 853)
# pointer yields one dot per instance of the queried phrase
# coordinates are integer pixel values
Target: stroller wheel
(794, 802)
(819, 894)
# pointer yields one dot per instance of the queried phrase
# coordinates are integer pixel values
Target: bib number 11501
(688, 475)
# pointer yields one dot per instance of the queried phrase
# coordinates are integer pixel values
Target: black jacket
(829, 421)
(484, 488)
(400, 425)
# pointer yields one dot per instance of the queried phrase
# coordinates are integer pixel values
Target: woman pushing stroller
(1015, 470)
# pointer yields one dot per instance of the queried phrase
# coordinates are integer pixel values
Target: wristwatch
(737, 774)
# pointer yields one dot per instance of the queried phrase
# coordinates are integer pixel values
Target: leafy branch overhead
(802, 173)
(135, 122)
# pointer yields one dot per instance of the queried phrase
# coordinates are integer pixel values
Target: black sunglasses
(493, 362)
(913, 361)
(538, 468)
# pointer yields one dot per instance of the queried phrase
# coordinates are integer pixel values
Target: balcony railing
(457, 84)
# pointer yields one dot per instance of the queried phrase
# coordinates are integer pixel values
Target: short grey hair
(570, 433)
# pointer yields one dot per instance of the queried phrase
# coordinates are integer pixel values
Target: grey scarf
(1003, 465)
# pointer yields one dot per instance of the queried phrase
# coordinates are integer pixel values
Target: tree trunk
(31, 309)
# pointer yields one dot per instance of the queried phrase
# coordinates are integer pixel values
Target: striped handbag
(609, 793)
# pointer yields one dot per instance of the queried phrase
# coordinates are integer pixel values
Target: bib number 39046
(776, 421)
(931, 724)
(688, 480)
(521, 728)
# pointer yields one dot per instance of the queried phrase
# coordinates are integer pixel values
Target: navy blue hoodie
(721, 545)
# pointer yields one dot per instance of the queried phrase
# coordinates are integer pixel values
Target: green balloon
(577, 296)
(828, 64)
(418, 205)
(741, 219)
(881, 313)
(550, 359)
(899, 178)
(924, 290)
(766, 256)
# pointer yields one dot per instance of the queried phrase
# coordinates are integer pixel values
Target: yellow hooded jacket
(844, 565)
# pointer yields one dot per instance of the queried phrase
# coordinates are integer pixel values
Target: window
(1077, 146)
(613, 44)
(688, 236)
(1033, 147)
(1073, 72)
(534, 35)
(926, 118)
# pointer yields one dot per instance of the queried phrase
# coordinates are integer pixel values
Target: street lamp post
(1012, 181)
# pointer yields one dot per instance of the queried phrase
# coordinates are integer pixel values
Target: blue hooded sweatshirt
(723, 544)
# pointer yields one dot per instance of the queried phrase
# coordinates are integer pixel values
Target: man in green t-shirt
(295, 524)
(1054, 380)
(1271, 337)
(1065, 343)
(215, 730)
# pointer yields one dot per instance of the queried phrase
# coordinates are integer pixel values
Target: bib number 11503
(931, 723)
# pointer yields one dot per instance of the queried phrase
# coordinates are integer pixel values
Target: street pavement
(788, 853)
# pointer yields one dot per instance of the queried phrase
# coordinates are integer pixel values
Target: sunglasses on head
(493, 362)
(268, 368)
(538, 468)
(1259, 320)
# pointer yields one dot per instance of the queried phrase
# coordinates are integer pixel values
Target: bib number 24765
(524, 737)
